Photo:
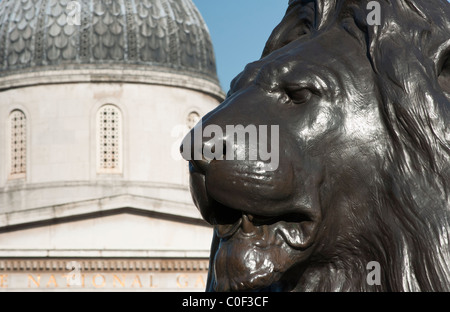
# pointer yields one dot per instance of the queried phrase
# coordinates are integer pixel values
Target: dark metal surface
(364, 144)
(166, 34)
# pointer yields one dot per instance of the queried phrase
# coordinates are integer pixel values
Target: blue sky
(239, 30)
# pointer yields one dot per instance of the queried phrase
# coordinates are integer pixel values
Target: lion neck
(333, 277)
(404, 226)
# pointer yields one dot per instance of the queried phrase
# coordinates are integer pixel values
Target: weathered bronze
(364, 147)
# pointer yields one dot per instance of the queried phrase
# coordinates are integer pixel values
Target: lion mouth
(258, 240)
(256, 252)
(289, 228)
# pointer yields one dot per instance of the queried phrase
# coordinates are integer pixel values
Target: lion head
(363, 173)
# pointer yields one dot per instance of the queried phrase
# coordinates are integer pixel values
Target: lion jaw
(266, 240)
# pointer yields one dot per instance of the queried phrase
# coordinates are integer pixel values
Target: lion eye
(300, 96)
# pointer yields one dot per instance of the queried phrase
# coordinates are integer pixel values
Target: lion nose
(200, 165)
(200, 154)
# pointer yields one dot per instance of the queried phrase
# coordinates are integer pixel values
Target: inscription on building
(75, 277)
(144, 281)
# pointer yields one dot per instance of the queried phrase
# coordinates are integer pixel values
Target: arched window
(192, 119)
(109, 139)
(18, 144)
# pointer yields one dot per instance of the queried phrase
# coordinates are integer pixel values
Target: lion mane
(410, 55)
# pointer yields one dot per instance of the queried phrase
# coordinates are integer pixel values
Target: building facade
(95, 97)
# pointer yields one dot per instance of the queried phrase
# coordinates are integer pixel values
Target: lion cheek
(251, 190)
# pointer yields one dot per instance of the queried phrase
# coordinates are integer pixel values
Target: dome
(165, 36)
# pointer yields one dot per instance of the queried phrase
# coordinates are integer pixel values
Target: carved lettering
(118, 280)
(200, 282)
(52, 280)
(31, 279)
(95, 281)
(137, 281)
(151, 282)
(3, 281)
(182, 281)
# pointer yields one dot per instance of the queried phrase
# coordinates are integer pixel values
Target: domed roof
(156, 35)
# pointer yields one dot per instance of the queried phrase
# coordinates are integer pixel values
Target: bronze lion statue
(363, 176)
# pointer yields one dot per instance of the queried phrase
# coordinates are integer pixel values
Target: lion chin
(249, 256)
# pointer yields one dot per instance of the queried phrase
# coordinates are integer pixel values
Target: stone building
(94, 98)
